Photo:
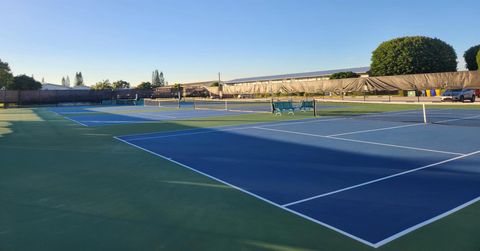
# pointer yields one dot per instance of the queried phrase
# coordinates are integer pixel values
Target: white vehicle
(458, 95)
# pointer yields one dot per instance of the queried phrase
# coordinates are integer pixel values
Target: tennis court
(359, 176)
(101, 116)
(373, 178)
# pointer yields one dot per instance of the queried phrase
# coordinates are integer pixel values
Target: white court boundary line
(254, 195)
(422, 224)
(374, 245)
(78, 122)
(359, 141)
(65, 117)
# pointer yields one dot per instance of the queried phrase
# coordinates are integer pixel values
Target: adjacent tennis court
(101, 116)
(373, 178)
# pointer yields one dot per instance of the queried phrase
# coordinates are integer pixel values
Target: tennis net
(442, 113)
(167, 103)
(257, 106)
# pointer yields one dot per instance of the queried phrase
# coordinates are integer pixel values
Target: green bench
(307, 105)
(282, 106)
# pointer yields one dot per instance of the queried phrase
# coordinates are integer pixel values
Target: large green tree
(24, 82)
(120, 85)
(411, 55)
(102, 85)
(470, 57)
(6, 77)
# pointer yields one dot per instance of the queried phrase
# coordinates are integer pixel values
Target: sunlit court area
(222, 130)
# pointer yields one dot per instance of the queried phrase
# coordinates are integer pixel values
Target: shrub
(470, 57)
(144, 85)
(411, 55)
(346, 74)
(121, 84)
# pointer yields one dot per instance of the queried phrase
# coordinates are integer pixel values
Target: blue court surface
(373, 181)
(101, 116)
(71, 110)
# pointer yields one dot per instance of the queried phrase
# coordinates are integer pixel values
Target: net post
(226, 105)
(194, 104)
(314, 108)
(271, 105)
(424, 114)
(178, 104)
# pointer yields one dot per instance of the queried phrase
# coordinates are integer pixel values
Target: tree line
(158, 80)
(24, 82)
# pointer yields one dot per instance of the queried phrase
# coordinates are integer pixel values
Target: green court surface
(68, 187)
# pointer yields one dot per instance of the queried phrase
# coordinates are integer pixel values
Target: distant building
(80, 87)
(199, 84)
(54, 87)
(297, 77)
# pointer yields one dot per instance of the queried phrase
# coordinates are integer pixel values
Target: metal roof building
(305, 76)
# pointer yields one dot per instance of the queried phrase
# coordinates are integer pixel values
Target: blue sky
(194, 40)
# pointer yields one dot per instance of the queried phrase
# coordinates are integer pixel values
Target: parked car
(458, 95)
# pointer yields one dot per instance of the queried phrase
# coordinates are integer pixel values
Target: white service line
(386, 114)
(451, 120)
(359, 141)
(155, 116)
(306, 122)
(380, 179)
(374, 130)
(106, 122)
(397, 146)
